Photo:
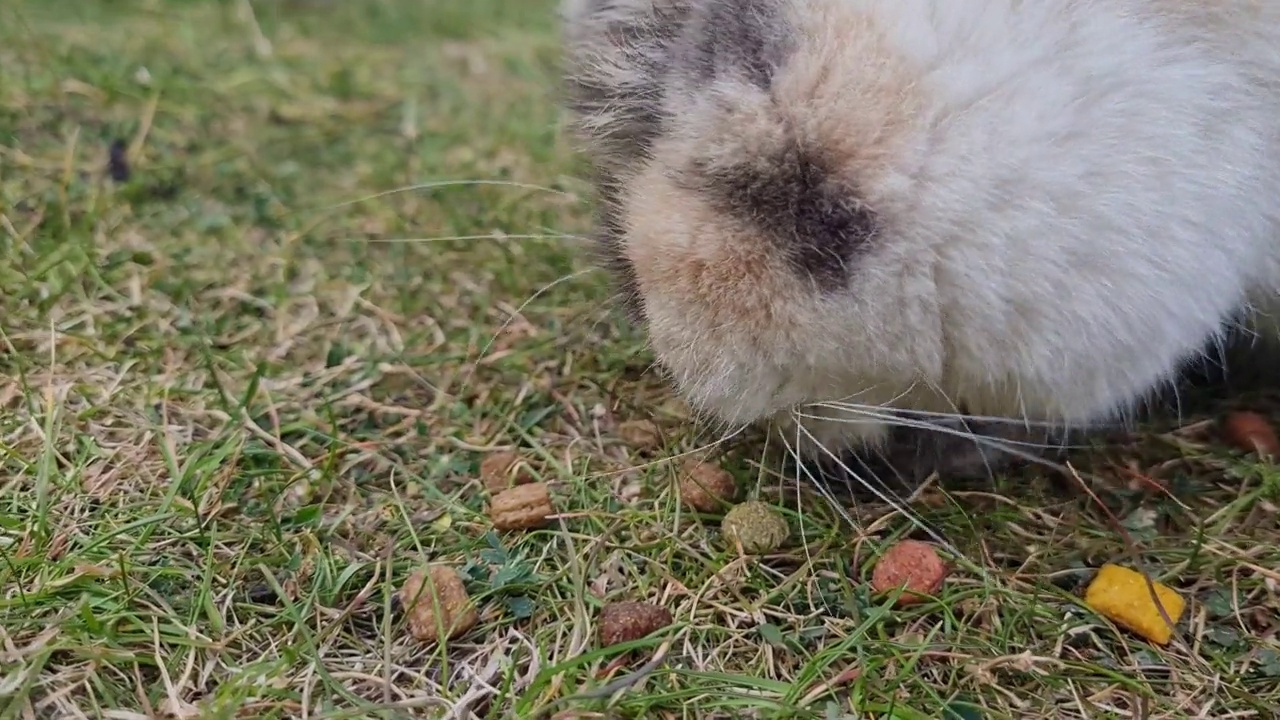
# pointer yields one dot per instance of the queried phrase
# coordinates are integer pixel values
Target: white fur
(1088, 189)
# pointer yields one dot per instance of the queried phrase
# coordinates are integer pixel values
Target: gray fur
(744, 40)
(619, 54)
(1032, 210)
(627, 59)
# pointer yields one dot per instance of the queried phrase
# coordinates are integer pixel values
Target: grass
(244, 392)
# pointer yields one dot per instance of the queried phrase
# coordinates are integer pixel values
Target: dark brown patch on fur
(819, 222)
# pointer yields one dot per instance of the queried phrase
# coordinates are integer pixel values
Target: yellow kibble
(1122, 595)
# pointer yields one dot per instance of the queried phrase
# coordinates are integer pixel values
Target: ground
(249, 369)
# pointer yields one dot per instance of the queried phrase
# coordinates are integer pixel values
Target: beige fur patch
(720, 272)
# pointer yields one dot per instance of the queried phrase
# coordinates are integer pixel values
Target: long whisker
(1005, 446)
(815, 481)
(884, 458)
(965, 422)
(869, 475)
(869, 415)
(448, 183)
(907, 391)
(515, 314)
(873, 414)
(541, 291)
(799, 495)
(497, 237)
(992, 419)
(887, 498)
(882, 492)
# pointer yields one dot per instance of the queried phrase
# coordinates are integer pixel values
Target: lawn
(276, 278)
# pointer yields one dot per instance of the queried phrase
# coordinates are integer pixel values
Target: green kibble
(756, 525)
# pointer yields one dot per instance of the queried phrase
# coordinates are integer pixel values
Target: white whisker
(520, 309)
(880, 453)
(445, 184)
(499, 237)
(1002, 445)
(890, 401)
(886, 497)
(815, 481)
(873, 416)
(517, 312)
(880, 415)
(965, 422)
(804, 543)
(991, 419)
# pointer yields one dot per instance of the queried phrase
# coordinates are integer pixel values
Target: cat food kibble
(436, 604)
(913, 566)
(706, 487)
(756, 526)
(626, 621)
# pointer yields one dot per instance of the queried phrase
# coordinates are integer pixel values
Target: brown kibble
(625, 621)
(640, 434)
(912, 564)
(706, 487)
(522, 507)
(1251, 432)
(502, 470)
(435, 599)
